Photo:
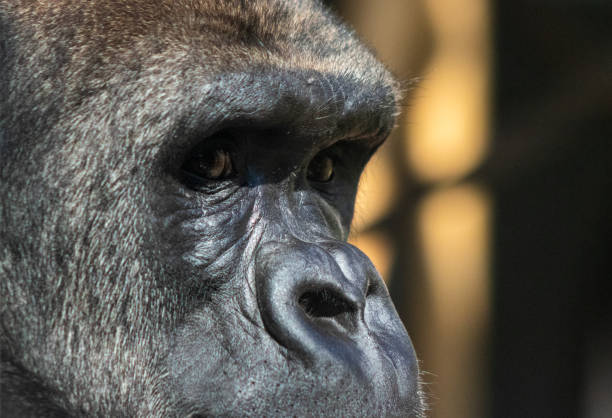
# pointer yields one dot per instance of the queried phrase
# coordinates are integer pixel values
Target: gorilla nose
(312, 296)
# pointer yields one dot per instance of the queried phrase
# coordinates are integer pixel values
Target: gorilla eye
(321, 168)
(214, 164)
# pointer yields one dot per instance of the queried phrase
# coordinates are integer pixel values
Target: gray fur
(97, 100)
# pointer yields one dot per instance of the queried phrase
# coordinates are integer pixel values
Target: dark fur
(124, 293)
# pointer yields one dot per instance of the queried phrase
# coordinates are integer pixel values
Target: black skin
(177, 186)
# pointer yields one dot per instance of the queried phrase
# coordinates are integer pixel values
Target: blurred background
(489, 209)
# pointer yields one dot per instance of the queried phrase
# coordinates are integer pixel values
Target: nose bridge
(313, 219)
(300, 214)
(313, 234)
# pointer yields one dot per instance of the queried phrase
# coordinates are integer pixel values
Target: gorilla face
(177, 186)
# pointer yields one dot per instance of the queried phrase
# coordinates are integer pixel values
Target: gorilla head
(177, 185)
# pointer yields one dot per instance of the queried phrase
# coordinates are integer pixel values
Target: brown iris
(215, 164)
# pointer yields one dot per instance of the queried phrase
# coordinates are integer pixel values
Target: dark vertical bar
(551, 172)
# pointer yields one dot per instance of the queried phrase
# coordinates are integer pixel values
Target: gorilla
(177, 187)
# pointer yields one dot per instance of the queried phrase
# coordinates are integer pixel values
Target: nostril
(324, 303)
(328, 309)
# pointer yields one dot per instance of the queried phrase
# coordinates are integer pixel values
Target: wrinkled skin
(177, 185)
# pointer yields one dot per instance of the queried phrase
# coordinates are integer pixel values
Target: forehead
(287, 33)
(172, 54)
